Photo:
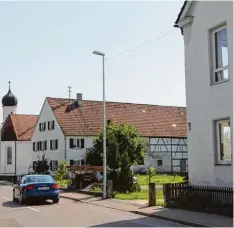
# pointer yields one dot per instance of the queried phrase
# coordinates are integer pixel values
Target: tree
(125, 148)
(41, 165)
(61, 171)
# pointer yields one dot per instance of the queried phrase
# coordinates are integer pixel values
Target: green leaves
(41, 166)
(125, 148)
(61, 170)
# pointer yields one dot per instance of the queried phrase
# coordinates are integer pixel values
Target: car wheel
(56, 200)
(21, 200)
(14, 199)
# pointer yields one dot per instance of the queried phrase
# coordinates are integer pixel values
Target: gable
(8, 131)
(46, 115)
(150, 120)
(185, 14)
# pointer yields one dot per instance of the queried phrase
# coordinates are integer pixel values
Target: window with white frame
(220, 54)
(54, 144)
(53, 165)
(42, 126)
(51, 125)
(77, 143)
(223, 141)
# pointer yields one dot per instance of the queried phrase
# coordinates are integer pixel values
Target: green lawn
(159, 179)
(143, 195)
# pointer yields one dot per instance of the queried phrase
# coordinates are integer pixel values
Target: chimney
(79, 98)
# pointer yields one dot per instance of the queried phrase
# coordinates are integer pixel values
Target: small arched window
(9, 155)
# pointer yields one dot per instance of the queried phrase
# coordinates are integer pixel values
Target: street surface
(68, 213)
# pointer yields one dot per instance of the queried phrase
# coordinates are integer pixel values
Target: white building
(66, 128)
(15, 144)
(207, 28)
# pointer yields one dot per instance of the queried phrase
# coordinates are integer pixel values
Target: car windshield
(39, 179)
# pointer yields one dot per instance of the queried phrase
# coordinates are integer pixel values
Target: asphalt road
(68, 213)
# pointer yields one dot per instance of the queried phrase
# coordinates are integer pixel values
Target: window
(51, 125)
(53, 165)
(77, 143)
(35, 146)
(42, 126)
(54, 144)
(43, 145)
(223, 141)
(160, 162)
(75, 162)
(9, 155)
(220, 55)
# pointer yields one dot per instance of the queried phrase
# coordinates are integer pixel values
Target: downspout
(65, 149)
(15, 158)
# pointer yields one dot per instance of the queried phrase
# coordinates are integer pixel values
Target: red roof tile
(24, 125)
(150, 120)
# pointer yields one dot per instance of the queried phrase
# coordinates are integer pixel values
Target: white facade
(15, 157)
(206, 100)
(45, 116)
(63, 150)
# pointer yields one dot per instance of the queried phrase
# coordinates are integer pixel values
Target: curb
(178, 221)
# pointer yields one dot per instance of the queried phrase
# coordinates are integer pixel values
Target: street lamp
(104, 122)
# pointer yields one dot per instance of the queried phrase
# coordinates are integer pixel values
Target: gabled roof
(150, 120)
(183, 11)
(21, 124)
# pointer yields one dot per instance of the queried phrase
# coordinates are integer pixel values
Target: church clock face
(172, 153)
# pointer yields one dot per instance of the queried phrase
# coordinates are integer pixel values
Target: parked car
(36, 187)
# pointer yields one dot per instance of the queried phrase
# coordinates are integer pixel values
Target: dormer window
(42, 126)
(51, 125)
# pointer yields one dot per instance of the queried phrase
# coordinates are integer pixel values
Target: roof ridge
(19, 114)
(119, 102)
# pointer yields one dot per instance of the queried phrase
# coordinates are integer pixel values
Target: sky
(47, 46)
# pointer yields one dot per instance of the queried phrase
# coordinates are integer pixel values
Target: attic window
(42, 126)
(51, 125)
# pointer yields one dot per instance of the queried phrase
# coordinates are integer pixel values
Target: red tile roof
(150, 120)
(24, 125)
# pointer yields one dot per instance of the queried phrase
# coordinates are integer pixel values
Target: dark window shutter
(49, 125)
(34, 146)
(82, 162)
(45, 145)
(51, 144)
(50, 165)
(71, 143)
(71, 162)
(82, 143)
(34, 165)
(56, 144)
(38, 146)
(39, 126)
(44, 126)
(56, 164)
(52, 127)
(78, 143)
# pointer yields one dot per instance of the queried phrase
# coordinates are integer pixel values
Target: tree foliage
(61, 171)
(41, 165)
(124, 148)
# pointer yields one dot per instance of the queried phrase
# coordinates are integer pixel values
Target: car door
(18, 187)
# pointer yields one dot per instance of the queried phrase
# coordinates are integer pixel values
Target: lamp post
(104, 122)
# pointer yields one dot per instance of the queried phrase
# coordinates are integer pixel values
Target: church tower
(9, 103)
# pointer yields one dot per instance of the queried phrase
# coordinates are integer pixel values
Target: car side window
(22, 181)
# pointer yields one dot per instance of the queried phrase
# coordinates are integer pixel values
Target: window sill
(218, 83)
(220, 164)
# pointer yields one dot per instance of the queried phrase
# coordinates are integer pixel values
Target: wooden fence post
(109, 189)
(152, 195)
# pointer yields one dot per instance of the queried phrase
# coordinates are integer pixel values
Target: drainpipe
(65, 149)
(15, 158)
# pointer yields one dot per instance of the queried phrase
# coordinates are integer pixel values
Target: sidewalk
(184, 217)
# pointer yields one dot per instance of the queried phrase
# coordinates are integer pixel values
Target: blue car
(36, 187)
